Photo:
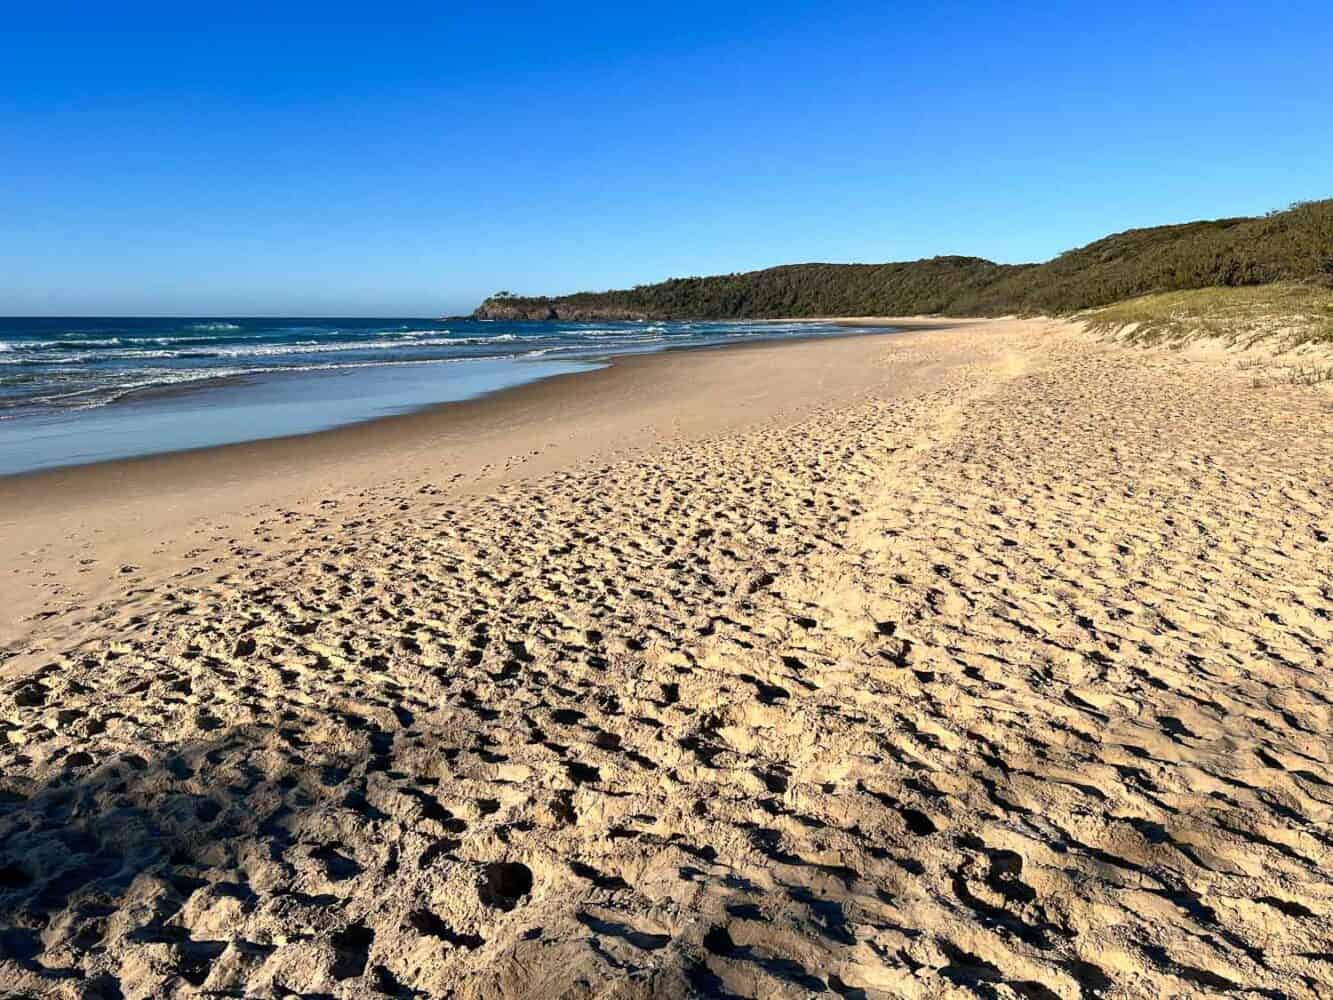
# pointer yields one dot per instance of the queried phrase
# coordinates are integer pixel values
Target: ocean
(77, 390)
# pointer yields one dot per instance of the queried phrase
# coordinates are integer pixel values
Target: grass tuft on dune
(1281, 316)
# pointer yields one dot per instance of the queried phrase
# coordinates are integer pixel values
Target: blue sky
(408, 159)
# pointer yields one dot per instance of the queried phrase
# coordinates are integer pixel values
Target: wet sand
(985, 659)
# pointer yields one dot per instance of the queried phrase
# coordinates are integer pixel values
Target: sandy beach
(982, 659)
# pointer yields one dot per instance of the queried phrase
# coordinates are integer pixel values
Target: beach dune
(982, 659)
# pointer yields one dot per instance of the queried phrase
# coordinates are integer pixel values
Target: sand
(982, 660)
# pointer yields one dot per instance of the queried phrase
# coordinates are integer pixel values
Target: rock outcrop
(542, 308)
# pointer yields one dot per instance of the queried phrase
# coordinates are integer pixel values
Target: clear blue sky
(407, 159)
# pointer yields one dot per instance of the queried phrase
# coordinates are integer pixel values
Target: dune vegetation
(1283, 314)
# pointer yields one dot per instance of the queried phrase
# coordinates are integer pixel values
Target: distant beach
(77, 390)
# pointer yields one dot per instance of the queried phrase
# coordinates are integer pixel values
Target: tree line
(1294, 244)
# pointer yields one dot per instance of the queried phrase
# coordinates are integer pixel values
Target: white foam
(164, 377)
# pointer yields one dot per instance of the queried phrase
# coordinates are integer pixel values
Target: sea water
(75, 390)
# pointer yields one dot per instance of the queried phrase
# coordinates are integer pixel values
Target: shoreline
(588, 363)
(14, 485)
